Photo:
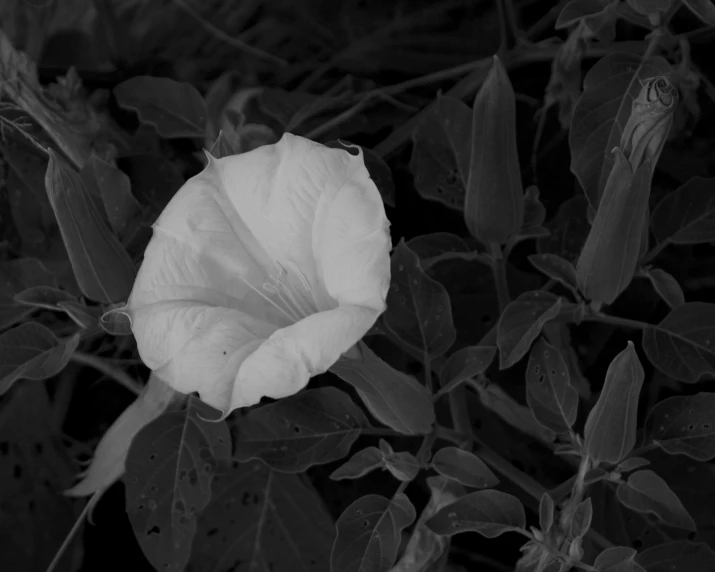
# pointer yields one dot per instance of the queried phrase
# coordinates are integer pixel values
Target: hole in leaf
(212, 532)
(152, 456)
(366, 523)
(179, 506)
(153, 530)
(17, 472)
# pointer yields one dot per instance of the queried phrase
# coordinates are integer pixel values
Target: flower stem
(500, 282)
(115, 373)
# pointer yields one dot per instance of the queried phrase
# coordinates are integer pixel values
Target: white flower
(262, 270)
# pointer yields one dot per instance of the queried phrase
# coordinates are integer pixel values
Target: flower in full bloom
(262, 271)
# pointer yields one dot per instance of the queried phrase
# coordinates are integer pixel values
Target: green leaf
(569, 230)
(666, 286)
(15, 276)
(494, 204)
(683, 344)
(521, 323)
(617, 559)
(104, 271)
(432, 247)
(360, 464)
(123, 211)
(31, 351)
(646, 492)
(678, 555)
(631, 464)
(173, 108)
(549, 392)
(169, 469)
(546, 513)
(463, 467)
(687, 215)
(369, 533)
(684, 425)
(490, 513)
(577, 10)
(534, 210)
(703, 9)
(441, 152)
(309, 428)
(394, 398)
(647, 7)
(556, 268)
(581, 520)
(601, 114)
(610, 432)
(402, 465)
(259, 519)
(465, 364)
(418, 308)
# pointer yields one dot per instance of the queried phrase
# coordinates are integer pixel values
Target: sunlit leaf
(490, 513)
(104, 271)
(602, 112)
(521, 322)
(464, 467)
(418, 308)
(610, 432)
(685, 425)
(309, 428)
(549, 392)
(369, 533)
(677, 555)
(259, 519)
(666, 286)
(173, 108)
(169, 470)
(687, 215)
(31, 351)
(465, 364)
(646, 492)
(441, 152)
(682, 345)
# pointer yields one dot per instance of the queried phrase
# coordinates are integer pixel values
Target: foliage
(541, 374)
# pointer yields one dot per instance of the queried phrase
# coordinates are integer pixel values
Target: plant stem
(616, 321)
(110, 371)
(500, 282)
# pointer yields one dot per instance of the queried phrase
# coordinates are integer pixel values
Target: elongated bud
(650, 121)
(494, 203)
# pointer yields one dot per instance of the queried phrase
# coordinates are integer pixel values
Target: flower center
(290, 293)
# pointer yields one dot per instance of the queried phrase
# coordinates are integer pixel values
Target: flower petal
(110, 455)
(284, 363)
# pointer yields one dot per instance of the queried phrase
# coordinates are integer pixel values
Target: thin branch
(110, 371)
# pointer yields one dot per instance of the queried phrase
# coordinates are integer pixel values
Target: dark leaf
(631, 464)
(394, 398)
(173, 108)
(312, 427)
(123, 211)
(687, 215)
(646, 492)
(465, 364)
(602, 112)
(369, 533)
(666, 286)
(581, 520)
(360, 464)
(549, 392)
(569, 229)
(577, 10)
(169, 469)
(684, 425)
(31, 351)
(617, 559)
(610, 432)
(402, 465)
(490, 513)
(683, 344)
(678, 556)
(429, 247)
(441, 152)
(43, 297)
(494, 204)
(555, 267)
(258, 519)
(705, 10)
(464, 467)
(546, 513)
(534, 209)
(521, 322)
(418, 308)
(222, 147)
(104, 271)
